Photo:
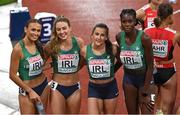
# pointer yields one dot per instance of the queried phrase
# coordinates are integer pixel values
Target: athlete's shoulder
(17, 50)
(80, 41)
(145, 7)
(17, 47)
(177, 38)
(170, 30)
(115, 46)
(178, 33)
(83, 51)
(149, 29)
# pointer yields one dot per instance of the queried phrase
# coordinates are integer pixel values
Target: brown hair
(164, 10)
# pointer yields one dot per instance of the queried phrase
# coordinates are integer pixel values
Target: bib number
(47, 29)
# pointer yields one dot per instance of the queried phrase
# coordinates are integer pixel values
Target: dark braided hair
(107, 42)
(164, 10)
(130, 12)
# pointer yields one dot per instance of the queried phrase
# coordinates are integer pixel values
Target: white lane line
(177, 11)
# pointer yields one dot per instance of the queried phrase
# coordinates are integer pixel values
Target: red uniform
(162, 39)
(150, 15)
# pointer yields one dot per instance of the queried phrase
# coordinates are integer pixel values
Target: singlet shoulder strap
(21, 43)
(22, 46)
(75, 43)
(88, 50)
(140, 33)
(122, 37)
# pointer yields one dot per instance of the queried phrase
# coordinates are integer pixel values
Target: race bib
(100, 68)
(160, 48)
(150, 22)
(35, 65)
(68, 63)
(131, 59)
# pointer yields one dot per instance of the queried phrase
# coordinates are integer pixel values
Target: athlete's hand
(147, 96)
(34, 96)
(47, 66)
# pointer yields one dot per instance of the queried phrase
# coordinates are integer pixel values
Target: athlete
(26, 69)
(148, 12)
(100, 60)
(164, 39)
(135, 50)
(64, 49)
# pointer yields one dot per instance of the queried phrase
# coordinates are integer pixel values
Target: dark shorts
(66, 91)
(103, 91)
(163, 75)
(137, 81)
(38, 89)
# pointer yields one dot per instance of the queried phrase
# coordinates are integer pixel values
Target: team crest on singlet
(131, 59)
(100, 68)
(68, 63)
(35, 65)
(160, 48)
